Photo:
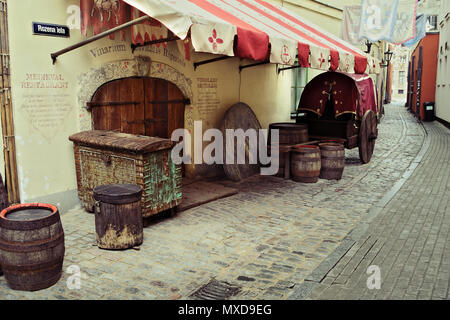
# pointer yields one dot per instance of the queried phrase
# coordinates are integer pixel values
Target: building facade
(443, 66)
(422, 76)
(399, 63)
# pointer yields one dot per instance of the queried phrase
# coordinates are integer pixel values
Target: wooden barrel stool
(333, 160)
(118, 216)
(305, 163)
(31, 246)
(282, 161)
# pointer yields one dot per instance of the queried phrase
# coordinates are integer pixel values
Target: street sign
(54, 30)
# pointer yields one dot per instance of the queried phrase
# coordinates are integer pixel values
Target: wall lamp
(369, 46)
(387, 59)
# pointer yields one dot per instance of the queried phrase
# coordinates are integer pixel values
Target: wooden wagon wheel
(368, 133)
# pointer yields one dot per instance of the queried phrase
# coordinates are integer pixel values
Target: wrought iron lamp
(369, 46)
(387, 58)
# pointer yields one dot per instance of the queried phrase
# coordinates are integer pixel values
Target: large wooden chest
(109, 157)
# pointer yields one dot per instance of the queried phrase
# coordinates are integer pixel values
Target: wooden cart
(341, 106)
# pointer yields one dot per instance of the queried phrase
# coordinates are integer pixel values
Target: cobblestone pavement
(267, 239)
(408, 240)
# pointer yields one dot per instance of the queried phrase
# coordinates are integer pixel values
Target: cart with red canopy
(338, 105)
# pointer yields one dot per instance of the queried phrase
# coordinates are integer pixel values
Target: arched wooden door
(144, 106)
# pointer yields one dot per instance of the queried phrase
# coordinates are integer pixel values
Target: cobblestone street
(278, 239)
(408, 239)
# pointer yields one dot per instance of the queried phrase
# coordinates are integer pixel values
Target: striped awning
(263, 32)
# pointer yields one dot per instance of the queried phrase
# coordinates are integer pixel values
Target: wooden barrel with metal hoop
(289, 133)
(333, 160)
(31, 246)
(3, 203)
(118, 218)
(305, 163)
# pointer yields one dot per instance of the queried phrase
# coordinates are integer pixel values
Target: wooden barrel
(290, 133)
(333, 160)
(31, 246)
(305, 163)
(118, 216)
(3, 203)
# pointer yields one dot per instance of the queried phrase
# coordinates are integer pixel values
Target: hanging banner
(405, 23)
(350, 24)
(103, 15)
(148, 30)
(378, 19)
(347, 63)
(320, 58)
(421, 31)
(283, 51)
(216, 38)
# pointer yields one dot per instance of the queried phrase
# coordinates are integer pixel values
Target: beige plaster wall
(2, 157)
(328, 17)
(443, 68)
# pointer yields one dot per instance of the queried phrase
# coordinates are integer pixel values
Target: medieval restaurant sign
(46, 29)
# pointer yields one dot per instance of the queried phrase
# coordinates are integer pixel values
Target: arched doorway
(137, 105)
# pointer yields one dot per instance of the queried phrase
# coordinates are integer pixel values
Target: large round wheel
(239, 116)
(368, 133)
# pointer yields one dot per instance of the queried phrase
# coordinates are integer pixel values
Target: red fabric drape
(103, 15)
(252, 45)
(334, 63)
(143, 32)
(360, 64)
(303, 55)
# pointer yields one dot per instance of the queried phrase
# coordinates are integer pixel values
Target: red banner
(147, 31)
(103, 15)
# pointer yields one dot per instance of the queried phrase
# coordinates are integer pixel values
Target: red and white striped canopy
(214, 25)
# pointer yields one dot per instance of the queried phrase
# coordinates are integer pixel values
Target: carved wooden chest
(109, 157)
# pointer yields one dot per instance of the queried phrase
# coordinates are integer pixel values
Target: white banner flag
(405, 21)
(378, 19)
(350, 24)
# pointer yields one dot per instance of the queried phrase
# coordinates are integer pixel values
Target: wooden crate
(109, 157)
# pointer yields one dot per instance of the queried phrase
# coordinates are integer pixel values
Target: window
(299, 78)
(432, 23)
(401, 91)
(401, 77)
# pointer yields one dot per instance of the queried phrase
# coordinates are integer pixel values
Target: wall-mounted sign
(47, 29)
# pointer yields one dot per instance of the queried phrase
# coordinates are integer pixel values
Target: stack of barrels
(311, 162)
(307, 162)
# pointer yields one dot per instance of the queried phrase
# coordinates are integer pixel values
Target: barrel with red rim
(31, 246)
